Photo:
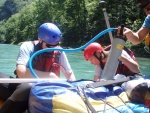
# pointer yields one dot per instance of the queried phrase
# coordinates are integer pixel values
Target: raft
(62, 96)
(75, 97)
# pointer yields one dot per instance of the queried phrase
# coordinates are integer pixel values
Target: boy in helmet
(46, 65)
(140, 35)
(97, 55)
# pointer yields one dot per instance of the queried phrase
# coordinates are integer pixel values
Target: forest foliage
(79, 20)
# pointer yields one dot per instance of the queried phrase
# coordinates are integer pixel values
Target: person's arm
(66, 68)
(137, 37)
(69, 75)
(140, 35)
(129, 62)
(97, 73)
(24, 72)
(96, 78)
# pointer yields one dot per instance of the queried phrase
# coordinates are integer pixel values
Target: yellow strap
(1, 102)
(147, 40)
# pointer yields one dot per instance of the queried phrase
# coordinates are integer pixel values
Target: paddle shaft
(102, 3)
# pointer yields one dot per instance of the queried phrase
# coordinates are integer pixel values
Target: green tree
(21, 26)
(79, 20)
(2, 31)
(75, 22)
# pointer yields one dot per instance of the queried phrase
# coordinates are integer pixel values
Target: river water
(82, 69)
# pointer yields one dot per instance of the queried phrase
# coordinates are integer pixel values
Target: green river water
(82, 69)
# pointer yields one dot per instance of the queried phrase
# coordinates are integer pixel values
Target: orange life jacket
(122, 69)
(147, 40)
(47, 61)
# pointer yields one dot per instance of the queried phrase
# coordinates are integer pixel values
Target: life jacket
(122, 69)
(47, 61)
(147, 43)
(147, 40)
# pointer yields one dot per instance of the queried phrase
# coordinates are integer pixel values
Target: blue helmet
(49, 33)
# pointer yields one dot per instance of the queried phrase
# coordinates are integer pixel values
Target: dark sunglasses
(49, 45)
(147, 9)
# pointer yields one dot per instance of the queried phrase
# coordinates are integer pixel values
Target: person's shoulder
(146, 23)
(97, 67)
(126, 54)
(27, 44)
(147, 17)
(59, 47)
(62, 53)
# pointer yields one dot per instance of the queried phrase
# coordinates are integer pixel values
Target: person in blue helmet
(45, 65)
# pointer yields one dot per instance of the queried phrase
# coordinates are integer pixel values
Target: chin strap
(100, 59)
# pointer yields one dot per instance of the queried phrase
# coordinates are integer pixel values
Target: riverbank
(140, 52)
(142, 55)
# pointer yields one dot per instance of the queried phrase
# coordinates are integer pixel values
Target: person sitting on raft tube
(97, 56)
(46, 65)
(140, 35)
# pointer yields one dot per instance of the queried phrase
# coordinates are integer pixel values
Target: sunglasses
(147, 9)
(50, 45)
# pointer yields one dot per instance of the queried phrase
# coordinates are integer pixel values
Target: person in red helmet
(97, 55)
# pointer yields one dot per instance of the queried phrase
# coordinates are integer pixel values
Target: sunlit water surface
(82, 69)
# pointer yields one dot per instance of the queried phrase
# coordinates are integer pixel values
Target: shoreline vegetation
(138, 52)
(78, 21)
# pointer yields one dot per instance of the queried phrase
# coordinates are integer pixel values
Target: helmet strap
(40, 44)
(100, 58)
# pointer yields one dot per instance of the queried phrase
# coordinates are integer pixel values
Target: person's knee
(22, 92)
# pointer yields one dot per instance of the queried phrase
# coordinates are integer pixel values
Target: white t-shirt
(27, 49)
(98, 70)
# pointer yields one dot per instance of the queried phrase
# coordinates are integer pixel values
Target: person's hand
(120, 30)
(125, 31)
(53, 75)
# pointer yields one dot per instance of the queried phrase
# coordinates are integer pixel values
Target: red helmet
(91, 49)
